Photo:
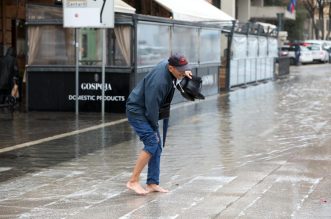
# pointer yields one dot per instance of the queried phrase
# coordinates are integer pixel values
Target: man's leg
(153, 174)
(148, 137)
(133, 183)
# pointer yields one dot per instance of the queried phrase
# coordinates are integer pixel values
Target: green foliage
(295, 28)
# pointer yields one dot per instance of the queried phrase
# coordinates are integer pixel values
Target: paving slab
(259, 152)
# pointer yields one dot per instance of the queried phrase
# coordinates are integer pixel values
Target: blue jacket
(151, 94)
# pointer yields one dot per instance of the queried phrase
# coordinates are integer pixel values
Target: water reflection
(275, 133)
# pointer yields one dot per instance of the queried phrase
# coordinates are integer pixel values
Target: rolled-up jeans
(152, 145)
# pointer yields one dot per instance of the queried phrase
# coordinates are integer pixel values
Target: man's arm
(188, 74)
(154, 95)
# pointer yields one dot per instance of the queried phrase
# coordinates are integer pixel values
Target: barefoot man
(149, 102)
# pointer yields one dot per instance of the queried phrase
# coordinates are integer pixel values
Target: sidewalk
(259, 152)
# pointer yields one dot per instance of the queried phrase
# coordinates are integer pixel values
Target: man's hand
(188, 74)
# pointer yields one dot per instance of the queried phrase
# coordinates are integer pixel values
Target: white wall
(258, 3)
(229, 7)
(244, 10)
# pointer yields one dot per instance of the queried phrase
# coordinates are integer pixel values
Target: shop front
(133, 47)
(50, 73)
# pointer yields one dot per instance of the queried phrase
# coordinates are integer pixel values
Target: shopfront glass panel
(252, 47)
(51, 45)
(210, 46)
(239, 46)
(185, 41)
(119, 46)
(273, 47)
(238, 60)
(153, 43)
(263, 46)
(90, 40)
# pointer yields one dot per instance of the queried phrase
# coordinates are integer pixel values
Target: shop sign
(97, 98)
(90, 88)
(88, 13)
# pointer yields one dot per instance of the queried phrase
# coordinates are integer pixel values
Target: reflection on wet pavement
(260, 152)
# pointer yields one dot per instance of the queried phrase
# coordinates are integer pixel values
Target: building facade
(144, 33)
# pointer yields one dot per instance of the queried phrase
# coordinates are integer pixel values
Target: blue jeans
(152, 145)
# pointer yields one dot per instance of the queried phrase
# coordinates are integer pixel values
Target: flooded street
(259, 152)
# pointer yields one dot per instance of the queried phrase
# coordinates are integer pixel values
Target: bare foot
(156, 188)
(136, 187)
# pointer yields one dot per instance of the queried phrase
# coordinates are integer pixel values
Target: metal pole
(103, 71)
(228, 55)
(77, 70)
(280, 20)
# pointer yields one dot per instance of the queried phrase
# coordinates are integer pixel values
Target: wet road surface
(259, 152)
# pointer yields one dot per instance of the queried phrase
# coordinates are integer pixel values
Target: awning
(194, 10)
(120, 6)
(267, 27)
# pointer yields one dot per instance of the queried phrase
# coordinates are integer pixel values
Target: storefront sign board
(88, 13)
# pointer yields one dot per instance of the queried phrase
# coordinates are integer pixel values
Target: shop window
(252, 46)
(119, 46)
(239, 47)
(185, 41)
(153, 43)
(263, 46)
(84, 45)
(273, 47)
(210, 46)
(50, 45)
(90, 40)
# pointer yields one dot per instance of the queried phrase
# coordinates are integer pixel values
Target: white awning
(267, 27)
(120, 6)
(194, 10)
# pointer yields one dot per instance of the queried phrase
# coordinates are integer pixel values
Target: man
(297, 53)
(148, 102)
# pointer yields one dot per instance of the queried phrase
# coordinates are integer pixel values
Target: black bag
(190, 89)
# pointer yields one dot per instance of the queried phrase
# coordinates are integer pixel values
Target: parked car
(329, 51)
(283, 53)
(319, 49)
(326, 43)
(306, 55)
(328, 48)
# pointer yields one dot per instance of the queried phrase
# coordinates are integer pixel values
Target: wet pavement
(259, 152)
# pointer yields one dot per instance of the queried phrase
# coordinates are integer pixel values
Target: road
(259, 152)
